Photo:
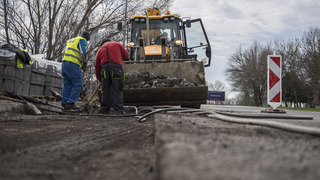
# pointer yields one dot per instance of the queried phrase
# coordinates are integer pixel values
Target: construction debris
(135, 79)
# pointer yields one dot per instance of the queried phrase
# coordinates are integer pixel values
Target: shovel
(86, 106)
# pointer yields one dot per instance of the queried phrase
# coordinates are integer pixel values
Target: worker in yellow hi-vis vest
(75, 59)
(26, 60)
(22, 55)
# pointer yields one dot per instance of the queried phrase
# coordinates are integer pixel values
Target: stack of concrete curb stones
(34, 80)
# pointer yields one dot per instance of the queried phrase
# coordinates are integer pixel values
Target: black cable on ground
(143, 118)
(112, 115)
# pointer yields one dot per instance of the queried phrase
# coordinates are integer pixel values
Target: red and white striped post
(274, 81)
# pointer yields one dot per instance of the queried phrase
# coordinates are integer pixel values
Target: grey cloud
(231, 11)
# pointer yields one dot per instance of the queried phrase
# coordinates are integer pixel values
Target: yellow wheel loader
(167, 57)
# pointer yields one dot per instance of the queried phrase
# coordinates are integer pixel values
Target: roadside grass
(302, 109)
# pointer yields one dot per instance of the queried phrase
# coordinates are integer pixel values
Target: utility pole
(125, 24)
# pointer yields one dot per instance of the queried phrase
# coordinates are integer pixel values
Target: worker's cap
(86, 35)
(104, 41)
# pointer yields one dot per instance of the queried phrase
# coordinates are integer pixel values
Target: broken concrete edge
(11, 107)
(172, 157)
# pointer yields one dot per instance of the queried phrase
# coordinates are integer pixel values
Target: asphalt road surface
(314, 122)
(249, 109)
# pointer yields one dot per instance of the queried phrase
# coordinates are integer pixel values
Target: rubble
(134, 79)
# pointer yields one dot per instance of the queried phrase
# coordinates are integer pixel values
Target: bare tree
(295, 88)
(43, 26)
(4, 6)
(217, 86)
(160, 4)
(311, 60)
(247, 72)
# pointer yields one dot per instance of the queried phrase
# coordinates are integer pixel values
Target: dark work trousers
(112, 78)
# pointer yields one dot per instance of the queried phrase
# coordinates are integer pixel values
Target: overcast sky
(231, 23)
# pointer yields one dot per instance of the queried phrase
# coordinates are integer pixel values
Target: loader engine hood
(154, 52)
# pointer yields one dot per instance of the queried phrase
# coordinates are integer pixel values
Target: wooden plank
(11, 99)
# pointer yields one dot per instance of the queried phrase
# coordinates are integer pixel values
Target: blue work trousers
(72, 82)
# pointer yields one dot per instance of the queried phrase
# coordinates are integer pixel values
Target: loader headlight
(139, 19)
(178, 42)
(130, 44)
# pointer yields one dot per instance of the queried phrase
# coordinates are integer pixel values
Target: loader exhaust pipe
(148, 29)
(163, 49)
(142, 55)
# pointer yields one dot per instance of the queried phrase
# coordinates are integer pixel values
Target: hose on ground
(234, 119)
(273, 124)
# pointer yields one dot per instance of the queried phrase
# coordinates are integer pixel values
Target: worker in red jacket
(110, 73)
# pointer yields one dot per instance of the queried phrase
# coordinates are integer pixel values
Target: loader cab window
(158, 28)
(197, 42)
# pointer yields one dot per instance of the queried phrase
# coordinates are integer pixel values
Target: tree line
(247, 70)
(44, 26)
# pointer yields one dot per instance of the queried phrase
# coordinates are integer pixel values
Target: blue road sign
(216, 96)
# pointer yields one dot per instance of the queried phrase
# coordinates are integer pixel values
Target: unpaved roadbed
(166, 146)
(76, 147)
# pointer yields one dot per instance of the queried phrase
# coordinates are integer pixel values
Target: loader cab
(183, 40)
(158, 28)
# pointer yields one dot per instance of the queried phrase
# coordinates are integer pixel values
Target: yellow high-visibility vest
(72, 52)
(19, 63)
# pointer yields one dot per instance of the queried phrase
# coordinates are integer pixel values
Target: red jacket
(117, 53)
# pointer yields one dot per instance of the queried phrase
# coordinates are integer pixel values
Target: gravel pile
(135, 79)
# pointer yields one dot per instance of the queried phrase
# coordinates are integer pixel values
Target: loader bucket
(170, 83)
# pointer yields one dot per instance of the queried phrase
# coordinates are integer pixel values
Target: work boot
(74, 106)
(70, 106)
(65, 107)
